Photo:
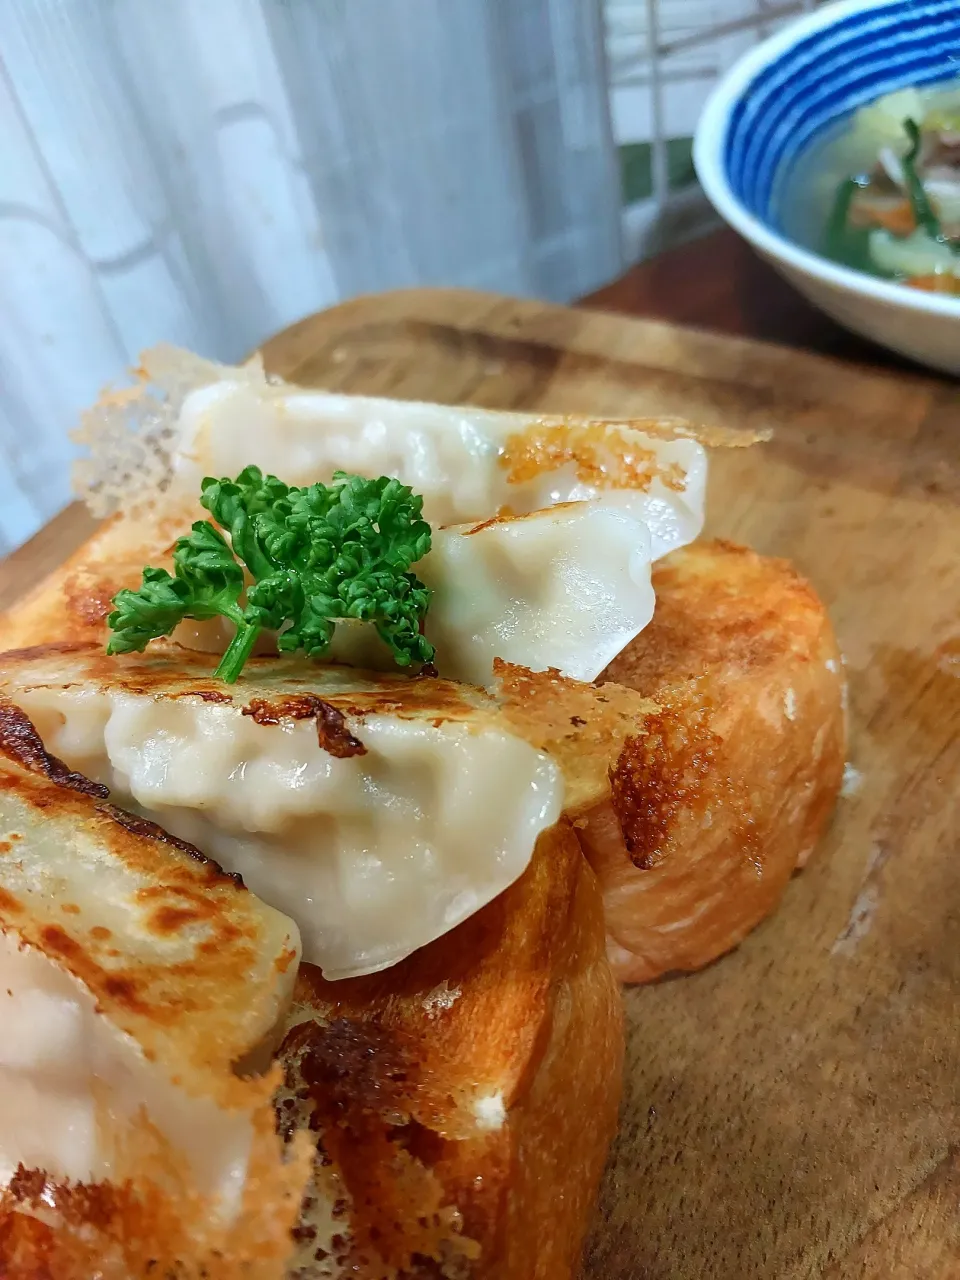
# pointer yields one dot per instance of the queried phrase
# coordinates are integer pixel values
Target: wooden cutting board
(794, 1110)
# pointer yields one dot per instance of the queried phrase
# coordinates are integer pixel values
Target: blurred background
(205, 172)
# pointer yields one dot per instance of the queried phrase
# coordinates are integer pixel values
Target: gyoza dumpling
(376, 810)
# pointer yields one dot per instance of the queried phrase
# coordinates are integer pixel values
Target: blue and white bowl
(782, 96)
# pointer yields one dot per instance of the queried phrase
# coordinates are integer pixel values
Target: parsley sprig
(316, 555)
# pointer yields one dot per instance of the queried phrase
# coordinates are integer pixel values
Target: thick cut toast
(729, 787)
(71, 604)
(466, 1098)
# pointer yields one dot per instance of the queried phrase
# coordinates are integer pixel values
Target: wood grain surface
(794, 1110)
(717, 282)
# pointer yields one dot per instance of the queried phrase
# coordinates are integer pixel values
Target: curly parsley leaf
(313, 556)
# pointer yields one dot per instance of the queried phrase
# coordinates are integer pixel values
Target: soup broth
(881, 191)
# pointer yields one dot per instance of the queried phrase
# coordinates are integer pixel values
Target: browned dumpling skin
(728, 788)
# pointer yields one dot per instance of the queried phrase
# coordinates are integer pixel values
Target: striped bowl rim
(710, 160)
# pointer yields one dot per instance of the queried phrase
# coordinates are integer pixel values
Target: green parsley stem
(238, 651)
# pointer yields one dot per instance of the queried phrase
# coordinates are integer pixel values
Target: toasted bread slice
(72, 602)
(141, 992)
(728, 788)
(465, 1098)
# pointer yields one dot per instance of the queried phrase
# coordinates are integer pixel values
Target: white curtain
(208, 171)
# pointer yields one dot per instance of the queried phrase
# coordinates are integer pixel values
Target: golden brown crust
(575, 430)
(728, 789)
(582, 727)
(20, 742)
(194, 974)
(467, 1094)
(177, 995)
(152, 1225)
(611, 457)
(72, 603)
(270, 689)
(332, 732)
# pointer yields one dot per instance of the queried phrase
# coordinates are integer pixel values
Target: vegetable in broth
(882, 193)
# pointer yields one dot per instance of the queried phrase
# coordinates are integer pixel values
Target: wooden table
(719, 283)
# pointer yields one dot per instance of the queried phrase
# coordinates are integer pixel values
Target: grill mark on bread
(357, 1067)
(332, 733)
(660, 775)
(743, 643)
(20, 742)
